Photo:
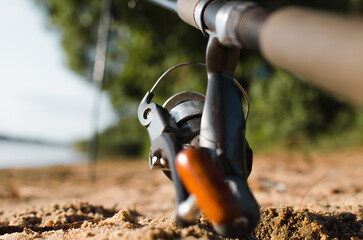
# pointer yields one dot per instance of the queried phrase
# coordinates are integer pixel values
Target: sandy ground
(301, 197)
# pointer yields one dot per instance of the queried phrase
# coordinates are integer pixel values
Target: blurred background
(44, 107)
(47, 57)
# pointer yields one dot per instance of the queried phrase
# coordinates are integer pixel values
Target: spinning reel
(176, 124)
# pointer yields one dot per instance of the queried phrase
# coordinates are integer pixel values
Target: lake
(19, 155)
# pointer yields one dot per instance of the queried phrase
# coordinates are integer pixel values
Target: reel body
(180, 116)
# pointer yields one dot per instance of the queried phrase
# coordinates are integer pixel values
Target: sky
(39, 96)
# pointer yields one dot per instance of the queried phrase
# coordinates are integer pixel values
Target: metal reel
(184, 111)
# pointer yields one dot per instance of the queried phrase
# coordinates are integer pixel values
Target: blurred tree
(145, 40)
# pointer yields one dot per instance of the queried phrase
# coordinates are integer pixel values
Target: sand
(301, 197)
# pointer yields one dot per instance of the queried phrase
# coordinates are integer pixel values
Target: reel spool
(185, 109)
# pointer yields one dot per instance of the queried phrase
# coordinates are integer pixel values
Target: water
(18, 155)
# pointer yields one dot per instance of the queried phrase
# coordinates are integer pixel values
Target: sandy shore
(301, 196)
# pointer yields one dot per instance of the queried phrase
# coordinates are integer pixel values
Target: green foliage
(124, 138)
(145, 40)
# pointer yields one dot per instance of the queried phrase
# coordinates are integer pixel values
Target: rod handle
(325, 48)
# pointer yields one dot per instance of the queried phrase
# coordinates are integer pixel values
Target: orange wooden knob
(202, 178)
